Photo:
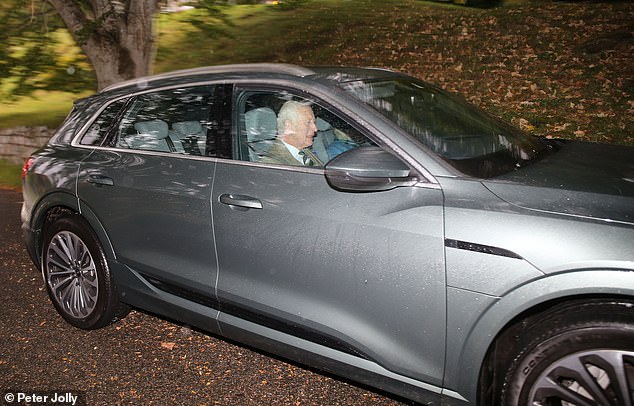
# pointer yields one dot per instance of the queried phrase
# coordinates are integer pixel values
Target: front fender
(483, 323)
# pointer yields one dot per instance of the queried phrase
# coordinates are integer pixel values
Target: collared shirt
(295, 152)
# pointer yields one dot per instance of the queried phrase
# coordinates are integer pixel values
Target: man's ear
(287, 125)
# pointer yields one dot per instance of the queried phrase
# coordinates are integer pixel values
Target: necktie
(308, 158)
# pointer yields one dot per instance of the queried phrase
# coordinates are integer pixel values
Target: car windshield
(472, 141)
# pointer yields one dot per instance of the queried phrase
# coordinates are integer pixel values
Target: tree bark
(117, 36)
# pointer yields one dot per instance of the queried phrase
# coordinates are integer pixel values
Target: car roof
(320, 74)
(288, 69)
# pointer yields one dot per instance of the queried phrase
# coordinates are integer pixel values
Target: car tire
(76, 273)
(577, 355)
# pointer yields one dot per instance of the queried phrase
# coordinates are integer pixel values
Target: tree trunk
(116, 36)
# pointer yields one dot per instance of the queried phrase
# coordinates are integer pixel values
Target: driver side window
(277, 127)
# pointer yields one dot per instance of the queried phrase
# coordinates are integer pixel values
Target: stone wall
(16, 144)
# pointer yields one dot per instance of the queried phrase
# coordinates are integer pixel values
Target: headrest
(157, 128)
(186, 128)
(261, 124)
(322, 125)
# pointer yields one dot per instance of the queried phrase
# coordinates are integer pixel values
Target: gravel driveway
(142, 359)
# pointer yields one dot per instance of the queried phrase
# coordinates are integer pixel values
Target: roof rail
(247, 67)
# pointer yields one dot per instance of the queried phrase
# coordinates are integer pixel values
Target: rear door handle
(246, 202)
(100, 180)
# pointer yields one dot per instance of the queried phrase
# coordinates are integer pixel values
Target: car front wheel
(582, 355)
(77, 276)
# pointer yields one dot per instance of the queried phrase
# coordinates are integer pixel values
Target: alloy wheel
(71, 274)
(596, 377)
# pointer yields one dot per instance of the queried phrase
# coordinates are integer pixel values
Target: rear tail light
(27, 165)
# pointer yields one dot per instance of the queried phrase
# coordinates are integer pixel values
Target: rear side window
(99, 129)
(73, 122)
(179, 121)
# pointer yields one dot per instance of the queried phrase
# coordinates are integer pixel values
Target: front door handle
(100, 180)
(246, 202)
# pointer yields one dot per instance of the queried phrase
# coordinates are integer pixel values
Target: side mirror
(367, 169)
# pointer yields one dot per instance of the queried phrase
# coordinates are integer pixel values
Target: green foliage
(209, 19)
(290, 4)
(242, 2)
(41, 108)
(36, 52)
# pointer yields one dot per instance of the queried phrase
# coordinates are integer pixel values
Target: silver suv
(355, 220)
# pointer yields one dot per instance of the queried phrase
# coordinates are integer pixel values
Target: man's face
(301, 131)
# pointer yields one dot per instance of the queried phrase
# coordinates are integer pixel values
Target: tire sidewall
(102, 312)
(551, 347)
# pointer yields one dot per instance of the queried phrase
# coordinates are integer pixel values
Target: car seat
(190, 134)
(261, 126)
(151, 135)
(324, 137)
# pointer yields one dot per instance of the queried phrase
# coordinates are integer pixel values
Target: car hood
(580, 178)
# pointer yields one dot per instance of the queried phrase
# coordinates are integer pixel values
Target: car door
(153, 196)
(359, 273)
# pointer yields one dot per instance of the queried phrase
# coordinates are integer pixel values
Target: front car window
(466, 137)
(278, 127)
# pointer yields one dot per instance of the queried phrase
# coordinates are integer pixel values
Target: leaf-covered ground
(557, 69)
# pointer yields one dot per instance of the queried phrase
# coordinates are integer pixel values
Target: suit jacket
(279, 154)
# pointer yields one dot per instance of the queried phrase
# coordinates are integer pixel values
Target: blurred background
(560, 69)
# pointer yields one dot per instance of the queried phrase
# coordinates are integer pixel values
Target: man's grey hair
(289, 111)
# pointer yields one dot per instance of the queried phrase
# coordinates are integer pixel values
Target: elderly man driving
(296, 130)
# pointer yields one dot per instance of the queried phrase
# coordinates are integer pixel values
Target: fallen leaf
(561, 127)
(167, 345)
(526, 125)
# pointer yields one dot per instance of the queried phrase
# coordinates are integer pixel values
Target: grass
(40, 109)
(310, 34)
(10, 175)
